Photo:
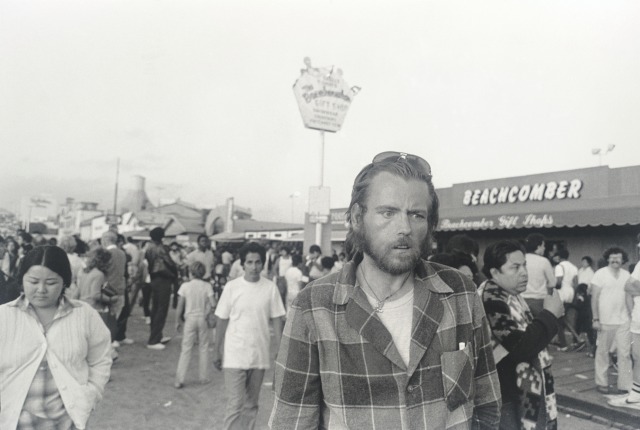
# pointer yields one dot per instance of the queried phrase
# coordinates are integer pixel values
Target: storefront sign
(323, 97)
(536, 192)
(499, 222)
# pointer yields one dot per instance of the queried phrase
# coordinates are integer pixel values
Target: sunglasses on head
(394, 157)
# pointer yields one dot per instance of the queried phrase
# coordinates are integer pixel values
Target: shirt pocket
(457, 376)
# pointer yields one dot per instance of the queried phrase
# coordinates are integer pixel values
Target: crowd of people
(382, 335)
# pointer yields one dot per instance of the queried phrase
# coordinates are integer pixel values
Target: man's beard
(382, 257)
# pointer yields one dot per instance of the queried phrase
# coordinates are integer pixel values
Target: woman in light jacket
(55, 358)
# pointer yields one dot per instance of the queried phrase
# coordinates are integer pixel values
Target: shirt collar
(65, 306)
(425, 275)
(111, 246)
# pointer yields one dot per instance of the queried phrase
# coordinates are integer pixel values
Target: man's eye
(418, 216)
(387, 214)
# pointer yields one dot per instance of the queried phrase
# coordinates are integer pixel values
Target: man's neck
(383, 283)
(614, 270)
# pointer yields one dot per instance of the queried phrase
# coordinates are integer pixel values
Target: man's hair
(403, 168)
(254, 248)
(68, 244)
(462, 243)
(533, 241)
(327, 263)
(200, 236)
(157, 234)
(197, 270)
(26, 237)
(496, 255)
(285, 249)
(563, 253)
(315, 248)
(615, 250)
(109, 238)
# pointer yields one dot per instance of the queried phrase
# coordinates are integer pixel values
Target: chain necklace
(381, 303)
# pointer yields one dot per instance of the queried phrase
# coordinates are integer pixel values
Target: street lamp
(292, 196)
(599, 152)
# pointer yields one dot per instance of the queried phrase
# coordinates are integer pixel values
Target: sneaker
(147, 320)
(127, 341)
(601, 389)
(563, 348)
(156, 346)
(165, 339)
(115, 344)
(634, 398)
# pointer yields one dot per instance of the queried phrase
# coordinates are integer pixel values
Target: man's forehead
(618, 255)
(387, 188)
(515, 257)
(253, 256)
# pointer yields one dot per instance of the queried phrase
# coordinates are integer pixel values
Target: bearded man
(391, 340)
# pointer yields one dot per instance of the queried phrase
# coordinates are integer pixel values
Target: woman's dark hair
(496, 255)
(255, 248)
(51, 257)
(589, 260)
(98, 258)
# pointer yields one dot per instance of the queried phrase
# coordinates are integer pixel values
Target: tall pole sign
(323, 98)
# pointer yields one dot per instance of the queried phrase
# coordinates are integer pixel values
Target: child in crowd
(195, 298)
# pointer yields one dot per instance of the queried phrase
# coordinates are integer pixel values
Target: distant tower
(136, 199)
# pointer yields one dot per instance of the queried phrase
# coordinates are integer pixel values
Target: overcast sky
(197, 95)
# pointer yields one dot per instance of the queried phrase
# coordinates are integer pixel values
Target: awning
(336, 236)
(584, 218)
(228, 237)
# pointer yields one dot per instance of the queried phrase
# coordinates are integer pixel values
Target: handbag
(108, 291)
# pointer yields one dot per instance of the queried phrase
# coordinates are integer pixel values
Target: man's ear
(357, 213)
(493, 272)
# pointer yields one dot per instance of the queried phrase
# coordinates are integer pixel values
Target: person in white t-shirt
(195, 298)
(293, 276)
(585, 272)
(567, 280)
(632, 290)
(246, 307)
(541, 277)
(611, 320)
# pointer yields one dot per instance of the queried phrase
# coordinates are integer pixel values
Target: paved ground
(141, 394)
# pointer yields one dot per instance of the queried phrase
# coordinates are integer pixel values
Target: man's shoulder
(321, 292)
(453, 278)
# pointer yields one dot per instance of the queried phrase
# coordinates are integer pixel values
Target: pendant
(379, 307)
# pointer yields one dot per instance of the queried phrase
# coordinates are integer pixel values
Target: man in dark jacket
(163, 273)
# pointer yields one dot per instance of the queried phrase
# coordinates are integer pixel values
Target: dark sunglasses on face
(394, 157)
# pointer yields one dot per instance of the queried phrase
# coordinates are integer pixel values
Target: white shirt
(612, 307)
(568, 271)
(248, 306)
(77, 346)
(540, 276)
(585, 274)
(197, 294)
(397, 317)
(293, 276)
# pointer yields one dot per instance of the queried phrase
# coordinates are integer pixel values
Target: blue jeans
(243, 390)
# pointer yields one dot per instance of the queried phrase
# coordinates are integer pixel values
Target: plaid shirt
(339, 368)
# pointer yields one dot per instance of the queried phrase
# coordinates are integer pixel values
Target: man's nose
(403, 223)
